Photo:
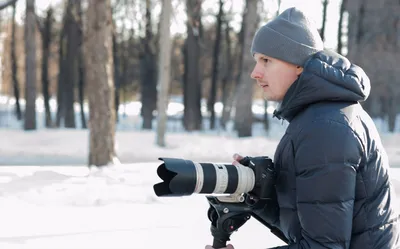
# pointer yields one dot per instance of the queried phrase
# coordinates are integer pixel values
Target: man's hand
(229, 246)
(236, 159)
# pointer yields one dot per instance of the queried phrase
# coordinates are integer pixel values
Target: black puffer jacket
(333, 187)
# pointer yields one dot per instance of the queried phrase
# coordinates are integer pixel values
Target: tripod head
(228, 213)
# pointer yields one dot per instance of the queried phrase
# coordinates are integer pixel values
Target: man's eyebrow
(260, 57)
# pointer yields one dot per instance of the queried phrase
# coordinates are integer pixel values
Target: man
(333, 186)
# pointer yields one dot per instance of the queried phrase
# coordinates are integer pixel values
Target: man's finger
(237, 157)
(236, 163)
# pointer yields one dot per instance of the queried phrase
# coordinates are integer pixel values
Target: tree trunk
(99, 76)
(374, 45)
(62, 68)
(72, 66)
(392, 113)
(266, 119)
(239, 63)
(117, 74)
(14, 67)
(61, 73)
(60, 85)
(214, 80)
(279, 3)
(7, 4)
(81, 66)
(192, 117)
(324, 10)
(244, 99)
(340, 28)
(164, 72)
(227, 90)
(30, 66)
(46, 41)
(148, 73)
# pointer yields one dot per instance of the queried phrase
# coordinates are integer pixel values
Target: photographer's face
(274, 76)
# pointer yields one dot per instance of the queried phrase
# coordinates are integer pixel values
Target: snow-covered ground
(72, 207)
(60, 207)
(49, 199)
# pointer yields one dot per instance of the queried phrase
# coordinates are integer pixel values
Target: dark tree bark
(214, 80)
(60, 83)
(266, 119)
(62, 68)
(192, 118)
(117, 73)
(244, 98)
(72, 63)
(148, 73)
(7, 4)
(81, 65)
(30, 66)
(340, 28)
(14, 66)
(46, 31)
(227, 86)
(374, 45)
(324, 13)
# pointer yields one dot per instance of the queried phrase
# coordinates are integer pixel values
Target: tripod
(228, 213)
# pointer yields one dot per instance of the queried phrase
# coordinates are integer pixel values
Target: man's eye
(265, 59)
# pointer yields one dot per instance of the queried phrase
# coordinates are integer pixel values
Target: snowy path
(70, 147)
(63, 207)
(72, 207)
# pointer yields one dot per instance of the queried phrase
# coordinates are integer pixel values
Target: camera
(249, 188)
(184, 177)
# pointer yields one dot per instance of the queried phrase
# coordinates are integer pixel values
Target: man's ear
(299, 70)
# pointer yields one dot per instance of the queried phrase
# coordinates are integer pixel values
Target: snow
(50, 199)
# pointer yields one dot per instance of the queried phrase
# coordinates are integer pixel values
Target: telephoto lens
(184, 177)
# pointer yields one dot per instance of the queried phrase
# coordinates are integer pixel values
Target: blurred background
(124, 82)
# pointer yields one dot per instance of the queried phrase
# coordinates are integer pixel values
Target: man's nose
(257, 73)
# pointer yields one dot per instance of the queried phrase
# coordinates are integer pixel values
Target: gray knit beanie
(290, 37)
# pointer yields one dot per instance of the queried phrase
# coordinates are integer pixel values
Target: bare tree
(244, 97)
(340, 28)
(324, 13)
(213, 91)
(192, 118)
(14, 67)
(71, 63)
(81, 64)
(164, 71)
(6, 4)
(373, 44)
(46, 31)
(61, 67)
(227, 86)
(148, 71)
(99, 76)
(30, 66)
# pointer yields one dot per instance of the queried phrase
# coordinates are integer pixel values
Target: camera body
(265, 176)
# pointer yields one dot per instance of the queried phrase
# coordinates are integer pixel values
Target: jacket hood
(327, 76)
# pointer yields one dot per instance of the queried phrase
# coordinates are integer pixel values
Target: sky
(311, 7)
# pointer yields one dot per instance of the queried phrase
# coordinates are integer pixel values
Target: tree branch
(6, 4)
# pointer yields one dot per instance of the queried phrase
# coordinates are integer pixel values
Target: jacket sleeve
(327, 155)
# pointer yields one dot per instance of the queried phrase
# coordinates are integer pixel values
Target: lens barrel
(184, 177)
